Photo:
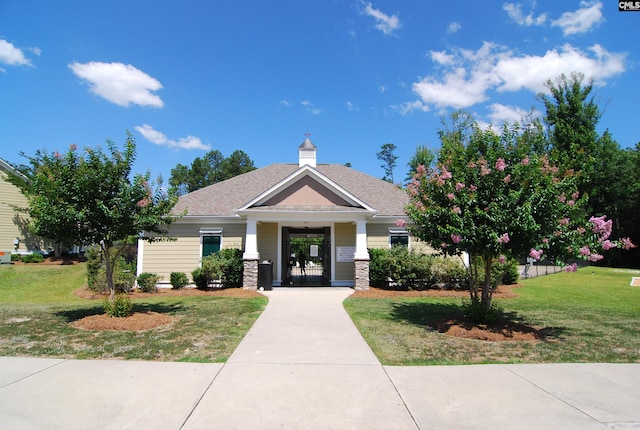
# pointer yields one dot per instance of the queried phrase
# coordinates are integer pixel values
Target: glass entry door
(306, 256)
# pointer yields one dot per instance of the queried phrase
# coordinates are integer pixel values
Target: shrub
(147, 282)
(121, 307)
(225, 266)
(32, 258)
(178, 280)
(16, 257)
(449, 273)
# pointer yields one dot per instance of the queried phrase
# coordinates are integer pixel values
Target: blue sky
(189, 76)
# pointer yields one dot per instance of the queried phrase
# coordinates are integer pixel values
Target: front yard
(38, 308)
(589, 316)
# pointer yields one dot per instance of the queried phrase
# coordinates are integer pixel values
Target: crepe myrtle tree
(491, 195)
(90, 197)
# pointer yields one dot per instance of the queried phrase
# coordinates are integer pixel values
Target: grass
(37, 304)
(590, 316)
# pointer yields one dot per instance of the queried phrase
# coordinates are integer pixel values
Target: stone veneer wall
(250, 277)
(362, 275)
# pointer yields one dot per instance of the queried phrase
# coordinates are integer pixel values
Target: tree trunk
(109, 271)
(487, 292)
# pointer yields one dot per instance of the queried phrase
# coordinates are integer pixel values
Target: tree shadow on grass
(449, 318)
(80, 313)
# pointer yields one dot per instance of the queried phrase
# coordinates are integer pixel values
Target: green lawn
(37, 304)
(590, 316)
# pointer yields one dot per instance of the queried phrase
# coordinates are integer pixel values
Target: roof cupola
(307, 153)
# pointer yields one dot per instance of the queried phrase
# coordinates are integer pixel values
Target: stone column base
(362, 274)
(250, 276)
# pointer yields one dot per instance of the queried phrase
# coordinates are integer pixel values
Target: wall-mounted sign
(345, 254)
(313, 250)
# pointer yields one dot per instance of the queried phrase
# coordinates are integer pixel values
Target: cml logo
(629, 6)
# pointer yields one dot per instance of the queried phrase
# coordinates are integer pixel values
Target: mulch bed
(496, 331)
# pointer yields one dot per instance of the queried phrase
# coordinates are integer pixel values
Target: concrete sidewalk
(303, 365)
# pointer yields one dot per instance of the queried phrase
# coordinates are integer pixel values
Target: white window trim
(399, 231)
(210, 231)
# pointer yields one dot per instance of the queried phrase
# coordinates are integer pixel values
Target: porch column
(251, 256)
(361, 257)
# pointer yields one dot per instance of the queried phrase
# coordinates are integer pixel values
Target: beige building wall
(378, 237)
(345, 235)
(13, 224)
(183, 253)
(268, 242)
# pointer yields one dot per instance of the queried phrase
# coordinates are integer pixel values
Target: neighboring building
(14, 234)
(329, 212)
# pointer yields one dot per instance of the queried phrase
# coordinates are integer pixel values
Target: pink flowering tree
(493, 196)
(90, 198)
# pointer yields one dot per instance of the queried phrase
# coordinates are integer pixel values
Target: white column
(251, 241)
(361, 241)
(140, 261)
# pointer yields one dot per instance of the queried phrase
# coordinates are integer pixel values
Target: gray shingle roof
(223, 198)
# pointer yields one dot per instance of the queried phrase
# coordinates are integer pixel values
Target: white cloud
(500, 113)
(385, 23)
(514, 10)
(466, 76)
(441, 57)
(158, 138)
(12, 56)
(119, 83)
(407, 107)
(454, 27)
(310, 108)
(582, 20)
(286, 103)
(351, 107)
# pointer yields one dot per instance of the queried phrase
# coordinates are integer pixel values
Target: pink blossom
(73, 147)
(607, 245)
(595, 257)
(601, 227)
(471, 165)
(504, 238)
(564, 221)
(57, 155)
(571, 268)
(626, 243)
(484, 171)
(525, 161)
(451, 196)
(501, 165)
(581, 230)
(456, 210)
(502, 259)
(440, 182)
(421, 170)
(459, 186)
(575, 195)
(535, 254)
(456, 238)
(443, 245)
(472, 188)
(585, 251)
(571, 203)
(400, 222)
(562, 198)
(507, 179)
(143, 203)
(445, 174)
(545, 240)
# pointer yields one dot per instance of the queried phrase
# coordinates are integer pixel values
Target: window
(210, 240)
(398, 236)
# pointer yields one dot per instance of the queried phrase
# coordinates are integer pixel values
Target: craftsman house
(313, 222)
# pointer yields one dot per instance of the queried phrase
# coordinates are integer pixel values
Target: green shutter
(210, 245)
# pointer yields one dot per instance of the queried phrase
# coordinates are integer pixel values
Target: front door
(306, 254)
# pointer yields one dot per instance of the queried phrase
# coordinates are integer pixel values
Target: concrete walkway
(303, 365)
